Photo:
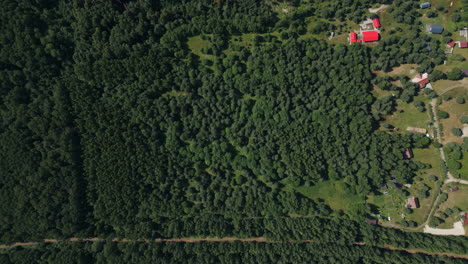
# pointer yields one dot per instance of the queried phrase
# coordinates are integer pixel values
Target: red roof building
(368, 36)
(451, 44)
(413, 202)
(465, 222)
(423, 83)
(376, 22)
(454, 189)
(352, 37)
(463, 44)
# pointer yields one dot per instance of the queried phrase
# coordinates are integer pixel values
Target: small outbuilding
(408, 154)
(454, 189)
(465, 221)
(371, 221)
(451, 43)
(465, 71)
(376, 23)
(353, 37)
(425, 5)
(369, 36)
(412, 202)
(463, 44)
(435, 29)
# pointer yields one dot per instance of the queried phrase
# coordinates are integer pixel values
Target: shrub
(457, 131)
(460, 100)
(464, 119)
(442, 114)
(433, 178)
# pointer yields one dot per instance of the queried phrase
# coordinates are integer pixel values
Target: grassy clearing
(464, 169)
(444, 19)
(196, 44)
(410, 117)
(455, 199)
(443, 86)
(335, 193)
(431, 156)
(377, 92)
(451, 63)
(456, 111)
(405, 69)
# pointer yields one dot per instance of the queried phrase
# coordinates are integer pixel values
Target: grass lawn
(196, 44)
(428, 155)
(410, 117)
(443, 86)
(335, 193)
(456, 111)
(377, 92)
(405, 69)
(464, 169)
(455, 199)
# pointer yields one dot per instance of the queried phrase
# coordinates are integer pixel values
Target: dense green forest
(205, 252)
(112, 126)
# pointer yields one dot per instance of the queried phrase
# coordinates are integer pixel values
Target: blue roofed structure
(434, 29)
(425, 5)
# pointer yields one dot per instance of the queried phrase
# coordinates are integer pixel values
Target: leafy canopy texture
(112, 125)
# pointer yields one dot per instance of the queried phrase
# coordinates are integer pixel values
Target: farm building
(425, 5)
(463, 44)
(412, 202)
(421, 80)
(353, 37)
(408, 154)
(434, 29)
(451, 43)
(454, 189)
(368, 36)
(376, 23)
(465, 222)
(371, 221)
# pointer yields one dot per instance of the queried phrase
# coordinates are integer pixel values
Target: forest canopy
(111, 125)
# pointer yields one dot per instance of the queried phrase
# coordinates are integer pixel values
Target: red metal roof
(451, 43)
(352, 37)
(423, 83)
(370, 36)
(463, 44)
(465, 222)
(376, 22)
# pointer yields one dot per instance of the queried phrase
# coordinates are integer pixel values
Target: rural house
(465, 217)
(434, 29)
(376, 23)
(425, 5)
(368, 36)
(463, 44)
(412, 202)
(421, 80)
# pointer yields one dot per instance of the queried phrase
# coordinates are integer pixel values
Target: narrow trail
(220, 240)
